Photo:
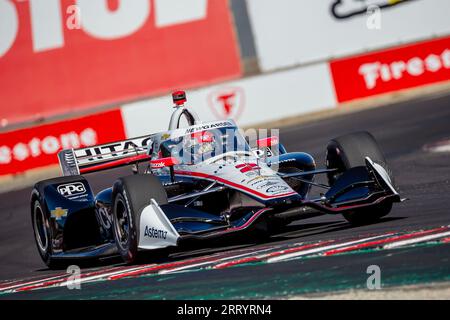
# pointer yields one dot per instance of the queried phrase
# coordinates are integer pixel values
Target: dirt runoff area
(433, 291)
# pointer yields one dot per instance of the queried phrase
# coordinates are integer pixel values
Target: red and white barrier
(391, 70)
(248, 101)
(36, 147)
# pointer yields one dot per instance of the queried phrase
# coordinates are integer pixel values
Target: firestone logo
(227, 103)
(385, 72)
(49, 145)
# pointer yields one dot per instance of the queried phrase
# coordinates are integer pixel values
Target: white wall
(257, 99)
(292, 32)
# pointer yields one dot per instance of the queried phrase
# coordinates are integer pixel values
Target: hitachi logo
(154, 233)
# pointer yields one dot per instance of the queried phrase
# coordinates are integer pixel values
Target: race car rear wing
(105, 156)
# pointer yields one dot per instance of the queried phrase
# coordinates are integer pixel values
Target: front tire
(44, 230)
(43, 233)
(349, 151)
(130, 196)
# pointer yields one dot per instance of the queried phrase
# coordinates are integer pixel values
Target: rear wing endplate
(105, 156)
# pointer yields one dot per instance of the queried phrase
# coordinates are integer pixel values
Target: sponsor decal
(71, 189)
(156, 231)
(259, 179)
(251, 173)
(342, 9)
(266, 184)
(104, 217)
(270, 163)
(152, 232)
(277, 189)
(227, 103)
(209, 126)
(262, 182)
(253, 180)
(157, 165)
(35, 147)
(36, 37)
(246, 167)
(135, 146)
(392, 70)
(164, 162)
(59, 213)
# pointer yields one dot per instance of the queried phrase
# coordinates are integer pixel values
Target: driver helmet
(200, 145)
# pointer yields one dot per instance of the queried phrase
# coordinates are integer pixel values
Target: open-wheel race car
(200, 182)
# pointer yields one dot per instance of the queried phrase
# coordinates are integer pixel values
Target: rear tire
(349, 151)
(130, 195)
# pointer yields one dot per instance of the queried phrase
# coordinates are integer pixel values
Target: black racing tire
(130, 195)
(349, 151)
(40, 220)
(43, 233)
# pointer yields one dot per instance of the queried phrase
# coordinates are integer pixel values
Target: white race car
(201, 182)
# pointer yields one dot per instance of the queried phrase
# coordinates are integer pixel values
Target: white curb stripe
(100, 276)
(26, 284)
(213, 262)
(416, 240)
(326, 248)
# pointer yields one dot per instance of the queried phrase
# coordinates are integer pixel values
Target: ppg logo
(71, 189)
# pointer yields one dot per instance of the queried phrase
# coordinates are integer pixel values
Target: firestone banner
(38, 146)
(391, 70)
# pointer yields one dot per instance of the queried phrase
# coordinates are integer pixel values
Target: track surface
(402, 130)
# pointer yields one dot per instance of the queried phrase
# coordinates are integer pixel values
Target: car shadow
(295, 231)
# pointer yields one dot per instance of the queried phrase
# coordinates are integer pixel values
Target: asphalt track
(424, 177)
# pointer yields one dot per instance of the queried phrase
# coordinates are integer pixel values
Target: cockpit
(201, 145)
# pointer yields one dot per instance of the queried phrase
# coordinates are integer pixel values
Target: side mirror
(163, 162)
(267, 142)
(264, 145)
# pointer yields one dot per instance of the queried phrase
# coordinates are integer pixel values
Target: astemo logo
(48, 145)
(98, 18)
